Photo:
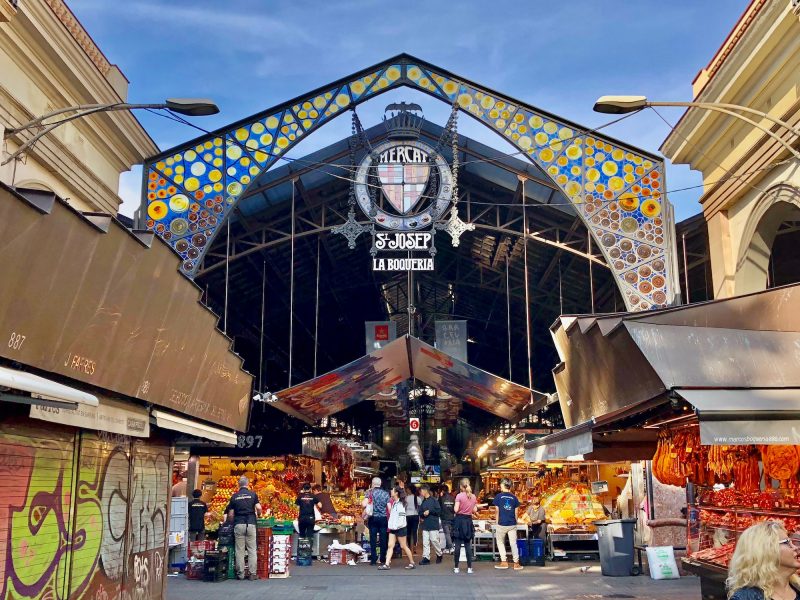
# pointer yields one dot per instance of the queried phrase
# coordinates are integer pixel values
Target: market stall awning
(43, 391)
(167, 420)
(754, 416)
(403, 358)
(610, 362)
(100, 304)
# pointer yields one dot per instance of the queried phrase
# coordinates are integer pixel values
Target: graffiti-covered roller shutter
(149, 519)
(36, 489)
(101, 510)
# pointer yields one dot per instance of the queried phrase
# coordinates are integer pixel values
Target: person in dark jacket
(197, 516)
(448, 515)
(429, 512)
(764, 564)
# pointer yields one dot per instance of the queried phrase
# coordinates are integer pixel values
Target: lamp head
(193, 107)
(618, 105)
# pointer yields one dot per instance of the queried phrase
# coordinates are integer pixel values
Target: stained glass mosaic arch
(617, 190)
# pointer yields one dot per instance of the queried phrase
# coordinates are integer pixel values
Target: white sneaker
(469, 570)
(456, 571)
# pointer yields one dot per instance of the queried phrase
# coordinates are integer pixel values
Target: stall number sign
(413, 424)
(388, 245)
(249, 441)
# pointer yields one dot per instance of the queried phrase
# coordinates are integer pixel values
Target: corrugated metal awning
(610, 362)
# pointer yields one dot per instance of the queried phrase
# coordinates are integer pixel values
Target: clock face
(411, 185)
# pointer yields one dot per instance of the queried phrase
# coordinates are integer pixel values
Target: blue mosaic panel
(617, 191)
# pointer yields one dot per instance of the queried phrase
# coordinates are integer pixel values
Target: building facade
(751, 181)
(48, 62)
(108, 355)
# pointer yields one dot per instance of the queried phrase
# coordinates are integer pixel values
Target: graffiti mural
(81, 517)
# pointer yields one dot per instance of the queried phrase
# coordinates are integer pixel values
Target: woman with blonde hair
(463, 529)
(764, 564)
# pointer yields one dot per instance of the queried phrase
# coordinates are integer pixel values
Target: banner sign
(379, 334)
(113, 417)
(451, 338)
(405, 243)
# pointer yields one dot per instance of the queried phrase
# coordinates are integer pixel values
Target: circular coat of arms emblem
(415, 182)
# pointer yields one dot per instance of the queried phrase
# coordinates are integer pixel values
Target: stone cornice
(79, 34)
(8, 9)
(696, 123)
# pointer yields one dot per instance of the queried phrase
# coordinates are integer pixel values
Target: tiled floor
(557, 581)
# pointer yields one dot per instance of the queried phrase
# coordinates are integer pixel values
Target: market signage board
(108, 416)
(379, 334)
(388, 245)
(599, 487)
(736, 433)
(576, 445)
(406, 189)
(451, 338)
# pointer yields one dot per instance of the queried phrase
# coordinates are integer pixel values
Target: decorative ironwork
(351, 229)
(618, 191)
(455, 226)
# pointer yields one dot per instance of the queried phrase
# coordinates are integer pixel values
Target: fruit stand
(277, 481)
(572, 509)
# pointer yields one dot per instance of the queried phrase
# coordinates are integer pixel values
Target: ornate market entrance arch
(617, 190)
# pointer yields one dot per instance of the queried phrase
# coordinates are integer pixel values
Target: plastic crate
(536, 552)
(524, 552)
(283, 528)
(194, 570)
(199, 549)
(215, 566)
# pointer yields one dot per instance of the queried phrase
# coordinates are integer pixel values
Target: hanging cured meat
(780, 462)
(746, 474)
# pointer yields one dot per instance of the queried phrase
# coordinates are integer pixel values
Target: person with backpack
(506, 506)
(398, 529)
(429, 513)
(447, 502)
(375, 516)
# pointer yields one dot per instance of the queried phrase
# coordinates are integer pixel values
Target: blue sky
(253, 54)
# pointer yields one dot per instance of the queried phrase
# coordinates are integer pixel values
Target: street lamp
(192, 107)
(617, 105)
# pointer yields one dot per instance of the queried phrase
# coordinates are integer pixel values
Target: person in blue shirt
(506, 506)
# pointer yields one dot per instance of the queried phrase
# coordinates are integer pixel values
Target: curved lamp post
(617, 105)
(192, 107)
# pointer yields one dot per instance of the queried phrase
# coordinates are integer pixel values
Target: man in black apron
(244, 508)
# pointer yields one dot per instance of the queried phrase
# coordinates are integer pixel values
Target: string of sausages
(680, 458)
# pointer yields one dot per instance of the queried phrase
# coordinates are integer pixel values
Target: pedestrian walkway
(557, 581)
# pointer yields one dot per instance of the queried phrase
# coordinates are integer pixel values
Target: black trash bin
(616, 540)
